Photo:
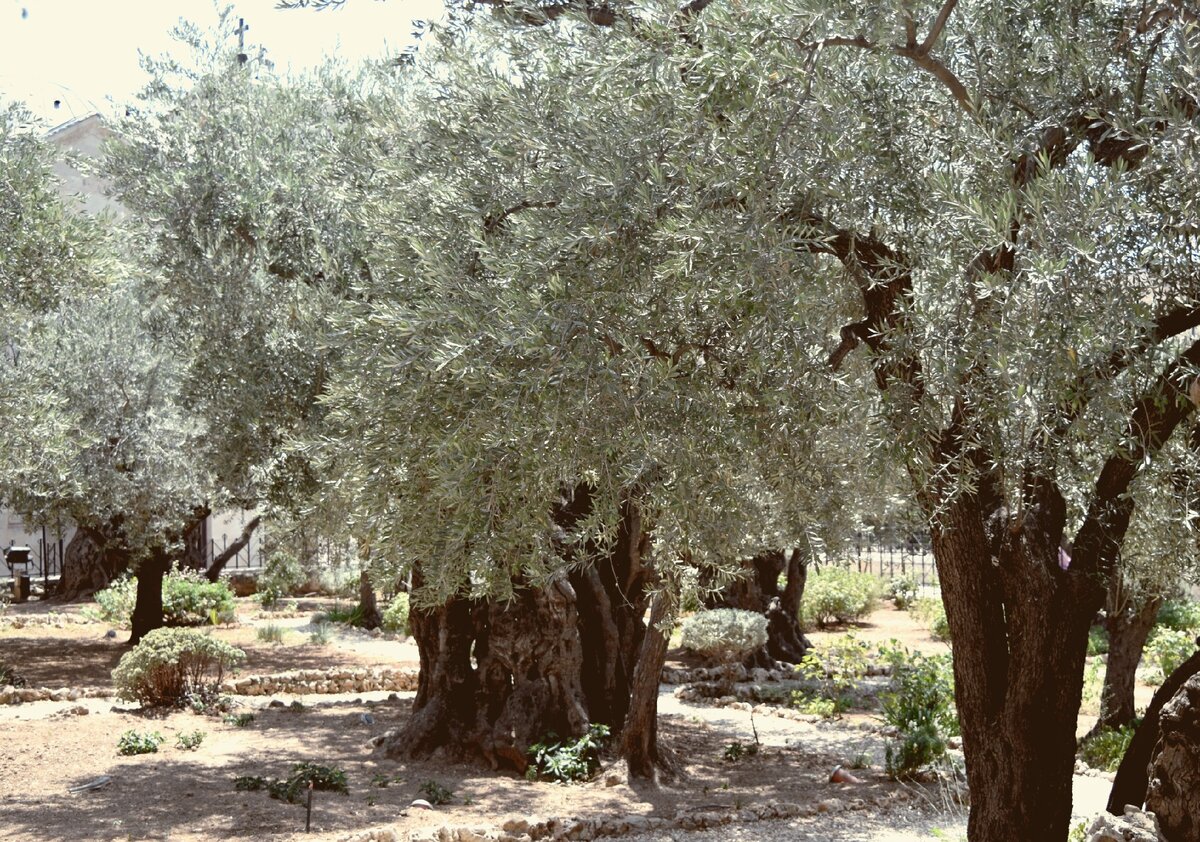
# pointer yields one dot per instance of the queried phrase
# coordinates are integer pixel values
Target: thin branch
(939, 24)
(494, 222)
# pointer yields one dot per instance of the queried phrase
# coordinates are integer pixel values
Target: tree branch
(939, 23)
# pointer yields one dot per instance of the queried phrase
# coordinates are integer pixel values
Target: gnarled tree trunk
(758, 590)
(91, 561)
(1173, 793)
(148, 606)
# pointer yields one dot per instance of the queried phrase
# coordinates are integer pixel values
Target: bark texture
(148, 606)
(369, 606)
(1129, 785)
(497, 677)
(91, 561)
(1129, 623)
(230, 552)
(1173, 793)
(758, 590)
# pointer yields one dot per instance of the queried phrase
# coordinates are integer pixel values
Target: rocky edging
(520, 829)
(301, 682)
(10, 695)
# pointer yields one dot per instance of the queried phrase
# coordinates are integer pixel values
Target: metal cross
(241, 34)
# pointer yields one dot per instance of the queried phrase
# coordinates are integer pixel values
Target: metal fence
(891, 554)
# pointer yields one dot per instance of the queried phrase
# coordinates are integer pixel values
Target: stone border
(520, 829)
(10, 695)
(304, 682)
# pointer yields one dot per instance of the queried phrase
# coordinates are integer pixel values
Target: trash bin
(19, 557)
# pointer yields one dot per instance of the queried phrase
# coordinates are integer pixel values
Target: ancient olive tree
(557, 390)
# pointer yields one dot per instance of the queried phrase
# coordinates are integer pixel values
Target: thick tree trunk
(1173, 793)
(1129, 624)
(758, 590)
(148, 606)
(369, 607)
(496, 678)
(1019, 625)
(552, 660)
(90, 562)
(639, 737)
(1129, 785)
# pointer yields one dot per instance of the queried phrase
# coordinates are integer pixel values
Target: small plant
(1093, 685)
(567, 760)
(395, 616)
(837, 595)
(270, 633)
(435, 793)
(132, 742)
(903, 590)
(932, 614)
(862, 760)
(171, 666)
(189, 599)
(351, 616)
(836, 666)
(1106, 749)
(811, 704)
(282, 575)
(239, 720)
(321, 634)
(725, 634)
(1097, 641)
(293, 788)
(380, 780)
(736, 750)
(114, 604)
(921, 706)
(189, 740)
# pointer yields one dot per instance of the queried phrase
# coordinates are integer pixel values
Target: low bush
(189, 740)
(1106, 749)
(1166, 649)
(239, 720)
(350, 615)
(932, 614)
(322, 633)
(837, 595)
(282, 576)
(189, 599)
(567, 760)
(10, 677)
(903, 590)
(1180, 615)
(270, 633)
(725, 635)
(836, 667)
(736, 750)
(133, 742)
(171, 666)
(294, 787)
(395, 615)
(435, 793)
(920, 705)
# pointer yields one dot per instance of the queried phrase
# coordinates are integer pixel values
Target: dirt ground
(47, 747)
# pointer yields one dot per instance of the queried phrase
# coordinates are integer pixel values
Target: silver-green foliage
(170, 665)
(724, 634)
(836, 594)
(395, 615)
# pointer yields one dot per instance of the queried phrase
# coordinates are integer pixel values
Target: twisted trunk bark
(758, 590)
(1129, 623)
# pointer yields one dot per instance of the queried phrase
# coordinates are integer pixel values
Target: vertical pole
(45, 565)
(308, 814)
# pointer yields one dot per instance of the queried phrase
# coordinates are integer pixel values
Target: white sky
(85, 52)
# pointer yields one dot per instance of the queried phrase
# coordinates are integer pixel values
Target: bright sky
(84, 53)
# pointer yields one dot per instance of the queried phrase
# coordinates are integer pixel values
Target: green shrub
(189, 599)
(837, 595)
(322, 633)
(1180, 615)
(294, 788)
(239, 720)
(1167, 649)
(1106, 749)
(920, 705)
(903, 590)
(282, 576)
(170, 666)
(736, 750)
(932, 614)
(725, 635)
(132, 742)
(1097, 641)
(395, 616)
(350, 615)
(189, 740)
(836, 666)
(567, 760)
(114, 604)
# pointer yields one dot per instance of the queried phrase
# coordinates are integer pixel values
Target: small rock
(367, 719)
(79, 710)
(421, 804)
(841, 776)
(111, 633)
(276, 703)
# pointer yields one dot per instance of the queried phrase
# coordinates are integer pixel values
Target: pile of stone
(336, 680)
(10, 695)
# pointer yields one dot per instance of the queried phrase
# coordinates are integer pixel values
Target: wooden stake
(308, 816)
